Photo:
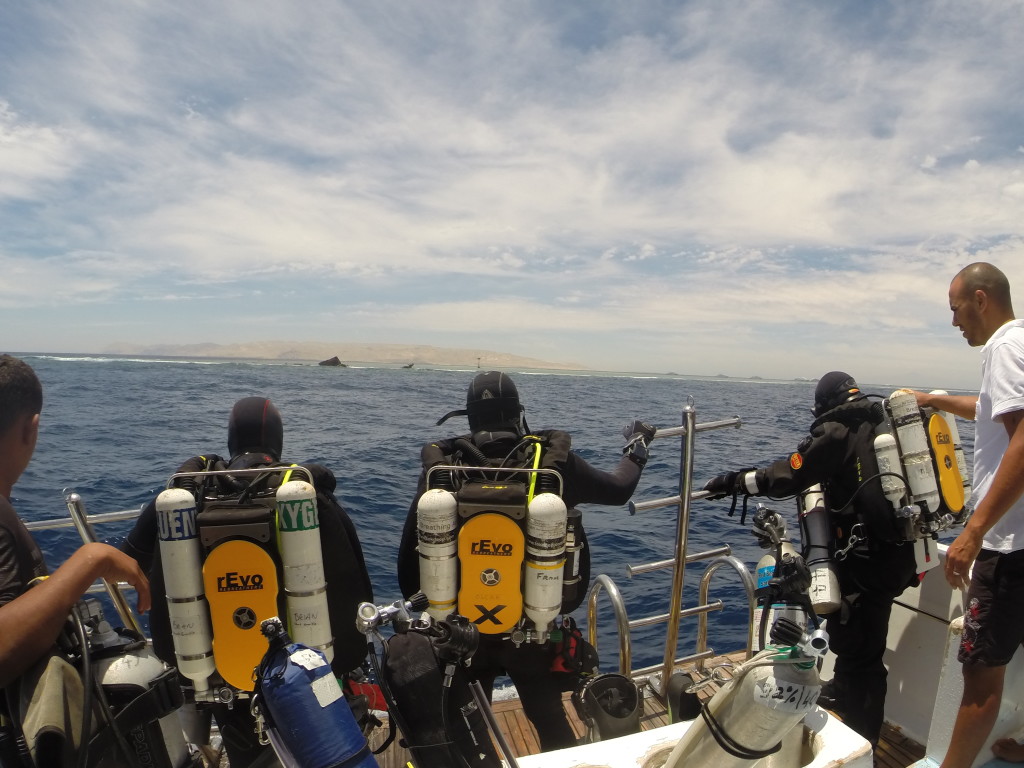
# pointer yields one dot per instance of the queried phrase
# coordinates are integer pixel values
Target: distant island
(406, 355)
(333, 362)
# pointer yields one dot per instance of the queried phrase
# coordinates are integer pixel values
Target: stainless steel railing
(658, 675)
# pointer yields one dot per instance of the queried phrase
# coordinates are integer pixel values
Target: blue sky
(773, 189)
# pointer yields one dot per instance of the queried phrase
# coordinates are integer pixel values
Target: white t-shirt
(1002, 391)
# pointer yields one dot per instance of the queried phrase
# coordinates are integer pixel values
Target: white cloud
(627, 184)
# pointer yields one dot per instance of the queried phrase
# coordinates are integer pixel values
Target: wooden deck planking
(896, 750)
(520, 735)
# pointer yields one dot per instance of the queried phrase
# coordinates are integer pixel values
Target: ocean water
(114, 429)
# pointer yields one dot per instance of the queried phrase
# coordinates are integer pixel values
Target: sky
(742, 188)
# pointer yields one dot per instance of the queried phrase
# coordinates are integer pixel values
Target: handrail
(622, 621)
(668, 501)
(689, 420)
(705, 426)
(702, 620)
(254, 471)
(464, 468)
(76, 508)
(657, 676)
(658, 565)
(55, 523)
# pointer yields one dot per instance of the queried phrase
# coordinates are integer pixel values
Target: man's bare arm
(958, 405)
(30, 623)
(1007, 486)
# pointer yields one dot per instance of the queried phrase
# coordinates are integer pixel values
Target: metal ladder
(657, 676)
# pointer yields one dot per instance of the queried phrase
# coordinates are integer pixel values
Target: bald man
(993, 538)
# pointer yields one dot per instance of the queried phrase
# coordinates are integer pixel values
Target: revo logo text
(488, 547)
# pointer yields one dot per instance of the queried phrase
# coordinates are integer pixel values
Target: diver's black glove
(641, 428)
(638, 436)
(744, 482)
(721, 486)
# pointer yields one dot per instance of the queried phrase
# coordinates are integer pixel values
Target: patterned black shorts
(994, 619)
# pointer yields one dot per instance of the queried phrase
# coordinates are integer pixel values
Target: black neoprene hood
(255, 426)
(834, 388)
(492, 403)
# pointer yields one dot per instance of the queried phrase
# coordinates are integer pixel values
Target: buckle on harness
(857, 538)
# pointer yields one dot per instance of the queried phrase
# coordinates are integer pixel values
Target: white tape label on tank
(326, 690)
(786, 696)
(307, 658)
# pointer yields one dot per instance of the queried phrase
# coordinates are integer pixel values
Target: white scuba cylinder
(545, 559)
(127, 675)
(958, 447)
(436, 534)
(305, 585)
(755, 710)
(887, 454)
(824, 590)
(914, 450)
(765, 572)
(181, 561)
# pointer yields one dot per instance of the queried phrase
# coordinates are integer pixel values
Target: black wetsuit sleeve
(141, 540)
(348, 582)
(364, 586)
(821, 457)
(586, 485)
(408, 557)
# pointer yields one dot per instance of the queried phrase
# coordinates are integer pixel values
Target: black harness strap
(163, 697)
(726, 742)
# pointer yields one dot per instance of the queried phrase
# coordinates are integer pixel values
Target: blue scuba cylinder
(305, 708)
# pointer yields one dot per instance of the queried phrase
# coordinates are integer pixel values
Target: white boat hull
(825, 742)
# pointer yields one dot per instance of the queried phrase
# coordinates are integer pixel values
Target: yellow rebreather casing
(241, 588)
(491, 552)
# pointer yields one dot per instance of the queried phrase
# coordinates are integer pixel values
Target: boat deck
(894, 749)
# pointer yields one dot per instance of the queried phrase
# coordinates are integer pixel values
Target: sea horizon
(456, 367)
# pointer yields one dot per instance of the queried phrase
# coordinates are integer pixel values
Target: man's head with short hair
(21, 394)
(21, 400)
(979, 298)
(982, 276)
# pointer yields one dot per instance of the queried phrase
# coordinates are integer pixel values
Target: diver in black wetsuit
(255, 438)
(497, 427)
(839, 454)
